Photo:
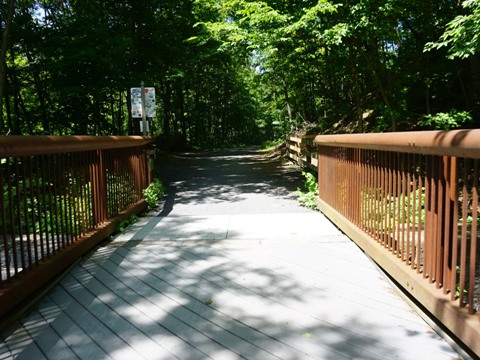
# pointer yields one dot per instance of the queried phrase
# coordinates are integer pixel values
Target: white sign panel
(150, 108)
(136, 101)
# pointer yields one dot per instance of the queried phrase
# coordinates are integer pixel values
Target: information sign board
(136, 101)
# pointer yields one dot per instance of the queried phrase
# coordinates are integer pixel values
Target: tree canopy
(238, 71)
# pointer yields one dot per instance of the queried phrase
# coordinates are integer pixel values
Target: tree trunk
(181, 109)
(40, 93)
(19, 107)
(16, 106)
(10, 124)
(133, 124)
(167, 95)
(287, 97)
(3, 56)
(378, 80)
(120, 114)
(356, 90)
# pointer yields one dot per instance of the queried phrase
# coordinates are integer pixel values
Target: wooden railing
(302, 150)
(60, 197)
(410, 201)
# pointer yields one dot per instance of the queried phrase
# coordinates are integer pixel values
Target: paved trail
(231, 182)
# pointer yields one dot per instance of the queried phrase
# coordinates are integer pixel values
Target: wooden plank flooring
(230, 299)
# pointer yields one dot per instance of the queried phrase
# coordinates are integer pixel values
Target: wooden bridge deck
(224, 283)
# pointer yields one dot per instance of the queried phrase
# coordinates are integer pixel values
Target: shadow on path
(228, 182)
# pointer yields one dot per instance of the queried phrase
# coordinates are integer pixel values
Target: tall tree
(3, 55)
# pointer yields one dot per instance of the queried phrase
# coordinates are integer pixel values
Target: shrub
(154, 192)
(308, 199)
(447, 121)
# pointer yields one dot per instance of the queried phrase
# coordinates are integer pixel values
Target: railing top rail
(461, 143)
(36, 145)
(301, 137)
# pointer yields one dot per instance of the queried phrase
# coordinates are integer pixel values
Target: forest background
(239, 72)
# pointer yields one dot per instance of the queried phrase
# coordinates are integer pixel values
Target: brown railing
(410, 201)
(61, 196)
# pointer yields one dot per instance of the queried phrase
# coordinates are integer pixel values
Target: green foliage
(462, 34)
(61, 208)
(154, 192)
(52, 212)
(309, 197)
(125, 223)
(270, 144)
(239, 71)
(447, 121)
(469, 220)
(385, 211)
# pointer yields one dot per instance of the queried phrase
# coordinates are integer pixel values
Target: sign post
(144, 115)
(143, 105)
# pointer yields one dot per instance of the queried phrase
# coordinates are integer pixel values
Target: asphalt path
(229, 182)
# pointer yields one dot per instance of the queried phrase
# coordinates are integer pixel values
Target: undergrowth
(124, 224)
(154, 192)
(308, 198)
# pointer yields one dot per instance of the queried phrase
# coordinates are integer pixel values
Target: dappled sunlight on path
(228, 267)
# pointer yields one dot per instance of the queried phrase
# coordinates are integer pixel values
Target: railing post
(97, 178)
(450, 228)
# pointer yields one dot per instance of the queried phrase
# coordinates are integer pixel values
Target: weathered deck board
(268, 301)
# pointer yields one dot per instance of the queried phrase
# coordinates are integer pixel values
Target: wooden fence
(303, 151)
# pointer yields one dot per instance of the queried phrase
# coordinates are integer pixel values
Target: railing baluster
(62, 200)
(50, 210)
(415, 209)
(4, 258)
(89, 191)
(33, 200)
(12, 220)
(396, 206)
(46, 206)
(19, 248)
(463, 243)
(25, 179)
(439, 235)
(43, 227)
(473, 249)
(390, 196)
(382, 197)
(407, 191)
(376, 196)
(422, 214)
(72, 228)
(447, 224)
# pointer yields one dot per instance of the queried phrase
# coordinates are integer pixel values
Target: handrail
(36, 145)
(461, 143)
(410, 200)
(59, 197)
